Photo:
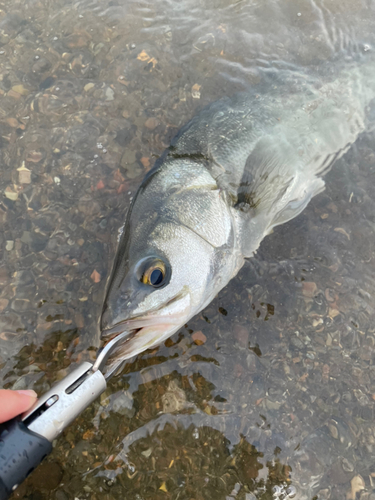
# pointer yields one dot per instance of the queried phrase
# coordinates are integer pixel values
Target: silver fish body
(242, 166)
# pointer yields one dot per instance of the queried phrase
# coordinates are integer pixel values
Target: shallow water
(272, 386)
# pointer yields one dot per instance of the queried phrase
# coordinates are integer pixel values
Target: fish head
(164, 273)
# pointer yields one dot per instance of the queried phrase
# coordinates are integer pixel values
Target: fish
(243, 165)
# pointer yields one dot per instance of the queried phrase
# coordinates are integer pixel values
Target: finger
(12, 403)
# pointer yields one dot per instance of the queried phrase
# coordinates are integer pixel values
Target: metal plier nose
(25, 441)
(67, 399)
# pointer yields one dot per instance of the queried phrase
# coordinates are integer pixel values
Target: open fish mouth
(148, 330)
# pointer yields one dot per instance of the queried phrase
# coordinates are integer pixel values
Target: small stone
(88, 86)
(151, 123)
(20, 305)
(145, 161)
(12, 122)
(332, 313)
(60, 346)
(199, 338)
(14, 94)
(11, 195)
(317, 322)
(325, 372)
(20, 89)
(3, 304)
(163, 487)
(89, 434)
(333, 430)
(147, 453)
(132, 171)
(9, 245)
(347, 465)
(272, 405)
(34, 156)
(342, 231)
(24, 175)
(128, 158)
(330, 295)
(121, 79)
(144, 57)
(309, 289)
(357, 484)
(76, 40)
(333, 208)
(95, 276)
(109, 94)
(26, 237)
(195, 91)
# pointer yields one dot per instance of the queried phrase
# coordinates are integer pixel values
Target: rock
(3, 304)
(145, 161)
(199, 338)
(151, 123)
(342, 231)
(95, 276)
(357, 484)
(174, 399)
(34, 156)
(41, 65)
(21, 305)
(12, 122)
(309, 289)
(10, 194)
(109, 94)
(20, 89)
(24, 175)
(195, 91)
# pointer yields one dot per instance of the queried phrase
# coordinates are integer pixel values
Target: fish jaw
(149, 330)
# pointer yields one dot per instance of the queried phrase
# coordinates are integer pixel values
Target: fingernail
(29, 392)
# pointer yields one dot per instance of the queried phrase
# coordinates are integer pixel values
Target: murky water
(270, 391)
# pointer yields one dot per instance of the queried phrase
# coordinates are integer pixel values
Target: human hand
(12, 403)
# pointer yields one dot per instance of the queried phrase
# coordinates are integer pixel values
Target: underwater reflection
(199, 463)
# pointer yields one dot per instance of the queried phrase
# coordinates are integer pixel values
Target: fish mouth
(148, 330)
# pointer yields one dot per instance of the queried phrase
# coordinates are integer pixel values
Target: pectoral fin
(274, 189)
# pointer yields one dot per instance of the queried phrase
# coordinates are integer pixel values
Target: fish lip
(121, 327)
(115, 330)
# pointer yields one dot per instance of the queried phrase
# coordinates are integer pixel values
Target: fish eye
(154, 274)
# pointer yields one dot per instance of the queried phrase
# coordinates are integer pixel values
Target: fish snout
(106, 317)
(113, 308)
(113, 311)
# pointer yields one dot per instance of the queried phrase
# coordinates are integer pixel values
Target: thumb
(12, 403)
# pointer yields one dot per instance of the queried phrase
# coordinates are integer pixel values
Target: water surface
(273, 385)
